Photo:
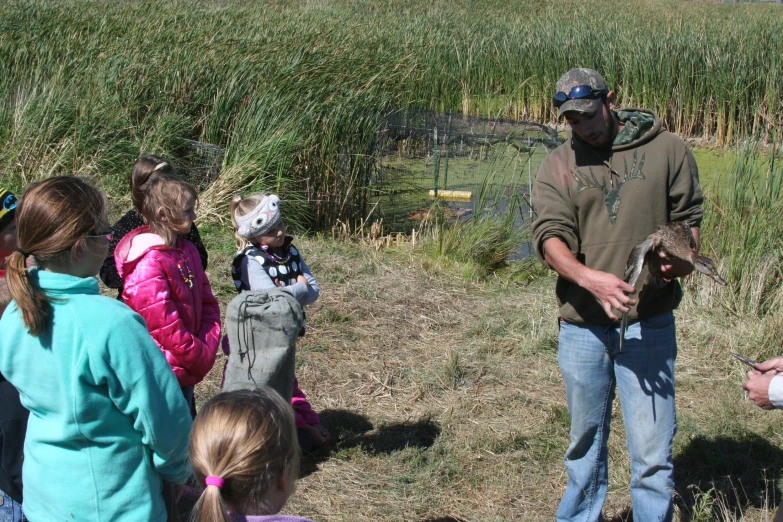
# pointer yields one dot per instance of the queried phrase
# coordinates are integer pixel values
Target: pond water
(715, 166)
(492, 180)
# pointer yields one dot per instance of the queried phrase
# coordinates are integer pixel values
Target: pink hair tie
(212, 480)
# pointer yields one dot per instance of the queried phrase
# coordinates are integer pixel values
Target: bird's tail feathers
(623, 328)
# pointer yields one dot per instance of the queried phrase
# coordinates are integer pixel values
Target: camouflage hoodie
(603, 202)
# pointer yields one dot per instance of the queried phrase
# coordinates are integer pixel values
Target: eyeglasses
(578, 92)
(108, 235)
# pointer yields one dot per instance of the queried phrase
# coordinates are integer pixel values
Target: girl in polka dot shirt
(267, 259)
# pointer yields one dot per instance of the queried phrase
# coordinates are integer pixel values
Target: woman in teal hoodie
(107, 420)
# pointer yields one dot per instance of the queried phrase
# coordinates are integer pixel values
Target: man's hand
(759, 379)
(610, 290)
(302, 279)
(666, 267)
(757, 386)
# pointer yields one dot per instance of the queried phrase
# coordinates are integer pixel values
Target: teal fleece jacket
(107, 420)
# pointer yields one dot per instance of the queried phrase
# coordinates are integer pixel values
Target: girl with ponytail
(147, 169)
(165, 282)
(244, 450)
(108, 419)
(267, 259)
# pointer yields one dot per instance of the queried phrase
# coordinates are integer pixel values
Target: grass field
(447, 404)
(436, 376)
(445, 399)
(289, 87)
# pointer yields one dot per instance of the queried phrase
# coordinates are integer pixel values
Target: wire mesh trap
(469, 164)
(198, 163)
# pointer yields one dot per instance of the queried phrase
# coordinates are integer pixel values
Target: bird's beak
(718, 279)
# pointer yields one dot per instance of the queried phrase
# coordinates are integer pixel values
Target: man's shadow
(736, 472)
(348, 430)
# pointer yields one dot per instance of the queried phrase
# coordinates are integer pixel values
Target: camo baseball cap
(580, 76)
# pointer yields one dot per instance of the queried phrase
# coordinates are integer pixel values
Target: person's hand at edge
(757, 386)
(770, 365)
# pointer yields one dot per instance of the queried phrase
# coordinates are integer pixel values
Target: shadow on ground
(736, 472)
(349, 430)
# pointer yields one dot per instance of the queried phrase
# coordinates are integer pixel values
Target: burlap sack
(262, 329)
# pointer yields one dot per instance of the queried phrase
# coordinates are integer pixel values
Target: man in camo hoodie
(617, 177)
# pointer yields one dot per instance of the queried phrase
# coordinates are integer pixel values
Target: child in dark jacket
(13, 416)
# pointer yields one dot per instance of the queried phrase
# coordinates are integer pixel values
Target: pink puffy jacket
(184, 320)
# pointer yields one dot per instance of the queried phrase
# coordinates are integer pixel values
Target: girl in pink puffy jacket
(164, 282)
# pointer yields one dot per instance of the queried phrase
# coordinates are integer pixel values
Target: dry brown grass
(446, 403)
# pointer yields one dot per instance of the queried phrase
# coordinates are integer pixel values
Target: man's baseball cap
(587, 98)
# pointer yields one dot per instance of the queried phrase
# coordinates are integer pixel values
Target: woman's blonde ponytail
(210, 507)
(248, 439)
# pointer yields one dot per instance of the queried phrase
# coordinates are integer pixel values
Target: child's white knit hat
(261, 219)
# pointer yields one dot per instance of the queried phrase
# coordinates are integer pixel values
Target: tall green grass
(488, 239)
(481, 245)
(296, 90)
(742, 229)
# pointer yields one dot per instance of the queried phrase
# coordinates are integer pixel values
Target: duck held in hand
(675, 239)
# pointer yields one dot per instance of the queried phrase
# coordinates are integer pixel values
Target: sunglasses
(108, 235)
(578, 92)
(9, 202)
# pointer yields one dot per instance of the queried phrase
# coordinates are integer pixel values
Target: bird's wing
(636, 260)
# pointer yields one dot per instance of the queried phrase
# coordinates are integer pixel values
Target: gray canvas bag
(262, 329)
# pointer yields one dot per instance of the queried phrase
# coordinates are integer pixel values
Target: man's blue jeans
(643, 372)
(10, 511)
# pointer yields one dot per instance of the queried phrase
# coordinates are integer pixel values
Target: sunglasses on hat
(578, 92)
(9, 202)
